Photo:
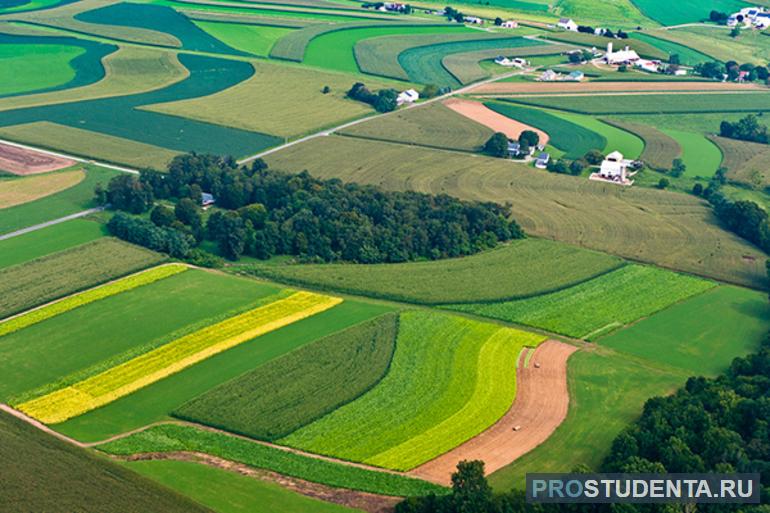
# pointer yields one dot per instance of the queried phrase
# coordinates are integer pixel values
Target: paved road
(50, 223)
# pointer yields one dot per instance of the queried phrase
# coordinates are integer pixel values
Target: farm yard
(230, 239)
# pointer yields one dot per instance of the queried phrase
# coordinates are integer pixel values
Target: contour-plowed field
(480, 113)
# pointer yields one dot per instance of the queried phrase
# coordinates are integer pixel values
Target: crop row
(89, 296)
(173, 357)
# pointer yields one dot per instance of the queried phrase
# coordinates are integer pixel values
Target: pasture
(18, 191)
(292, 391)
(598, 306)
(424, 407)
(701, 156)
(50, 475)
(49, 240)
(701, 335)
(672, 230)
(434, 125)
(169, 438)
(660, 150)
(252, 39)
(520, 269)
(573, 139)
(58, 274)
(228, 492)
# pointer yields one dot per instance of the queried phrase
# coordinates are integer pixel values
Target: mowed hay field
(745, 161)
(521, 269)
(424, 407)
(17, 191)
(50, 475)
(434, 125)
(292, 391)
(668, 229)
(598, 306)
(282, 100)
(38, 281)
(52, 239)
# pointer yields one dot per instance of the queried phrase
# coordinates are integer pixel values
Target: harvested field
(541, 405)
(496, 122)
(23, 190)
(659, 149)
(746, 162)
(23, 161)
(527, 88)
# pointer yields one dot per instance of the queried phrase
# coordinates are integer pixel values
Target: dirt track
(21, 161)
(610, 87)
(542, 401)
(491, 119)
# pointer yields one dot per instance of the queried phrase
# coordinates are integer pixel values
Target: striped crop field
(139, 372)
(52, 310)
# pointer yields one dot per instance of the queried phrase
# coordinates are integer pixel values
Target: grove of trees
(746, 129)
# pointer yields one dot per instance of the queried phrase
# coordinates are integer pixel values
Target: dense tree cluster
(731, 71)
(746, 129)
(264, 213)
(384, 100)
(718, 17)
(587, 29)
(454, 15)
(745, 218)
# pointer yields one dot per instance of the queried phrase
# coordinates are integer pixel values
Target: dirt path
(24, 161)
(611, 87)
(479, 113)
(42, 427)
(542, 401)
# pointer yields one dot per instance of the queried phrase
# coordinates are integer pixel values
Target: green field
(253, 39)
(47, 474)
(598, 306)
(156, 402)
(750, 46)
(700, 335)
(434, 125)
(287, 393)
(49, 240)
(21, 63)
(701, 156)
(470, 67)
(614, 12)
(685, 11)
(170, 438)
(624, 141)
(687, 56)
(660, 150)
(292, 47)
(70, 201)
(402, 422)
(573, 139)
(655, 103)
(229, 492)
(39, 281)
(672, 230)
(520, 269)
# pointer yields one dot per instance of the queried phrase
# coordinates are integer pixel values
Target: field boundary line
(71, 157)
(39, 425)
(53, 222)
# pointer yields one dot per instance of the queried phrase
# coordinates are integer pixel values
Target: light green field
(700, 335)
(522, 268)
(751, 46)
(685, 11)
(660, 150)
(621, 13)
(630, 145)
(253, 39)
(20, 72)
(424, 406)
(598, 306)
(49, 240)
(229, 492)
(701, 156)
(281, 100)
(96, 145)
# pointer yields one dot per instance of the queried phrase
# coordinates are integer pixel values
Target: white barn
(408, 96)
(567, 24)
(624, 56)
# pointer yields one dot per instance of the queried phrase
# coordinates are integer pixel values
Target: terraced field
(660, 150)
(599, 306)
(421, 409)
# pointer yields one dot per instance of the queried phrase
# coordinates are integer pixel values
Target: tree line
(261, 213)
(731, 71)
(746, 129)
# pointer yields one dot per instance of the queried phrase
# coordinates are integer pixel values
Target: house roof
(615, 155)
(564, 20)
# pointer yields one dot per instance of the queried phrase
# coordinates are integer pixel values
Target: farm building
(756, 17)
(614, 169)
(516, 62)
(510, 24)
(549, 76)
(576, 76)
(473, 20)
(408, 96)
(542, 160)
(515, 149)
(624, 56)
(648, 65)
(207, 199)
(567, 24)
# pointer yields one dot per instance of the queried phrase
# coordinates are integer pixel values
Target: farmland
(475, 352)
(48, 240)
(18, 191)
(302, 386)
(686, 11)
(744, 161)
(523, 268)
(598, 306)
(701, 156)
(659, 149)
(47, 278)
(627, 143)
(253, 39)
(687, 56)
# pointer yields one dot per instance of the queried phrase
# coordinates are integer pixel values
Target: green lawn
(229, 492)
(20, 72)
(598, 306)
(157, 401)
(701, 156)
(253, 39)
(700, 335)
(49, 240)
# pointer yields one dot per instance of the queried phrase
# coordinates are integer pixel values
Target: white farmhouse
(408, 96)
(516, 62)
(567, 24)
(648, 65)
(510, 24)
(614, 169)
(624, 56)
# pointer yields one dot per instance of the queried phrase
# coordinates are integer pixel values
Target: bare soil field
(541, 405)
(23, 190)
(609, 87)
(22, 162)
(479, 113)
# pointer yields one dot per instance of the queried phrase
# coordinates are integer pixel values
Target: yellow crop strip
(89, 296)
(174, 357)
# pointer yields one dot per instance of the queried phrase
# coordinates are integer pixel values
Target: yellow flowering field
(121, 380)
(89, 296)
